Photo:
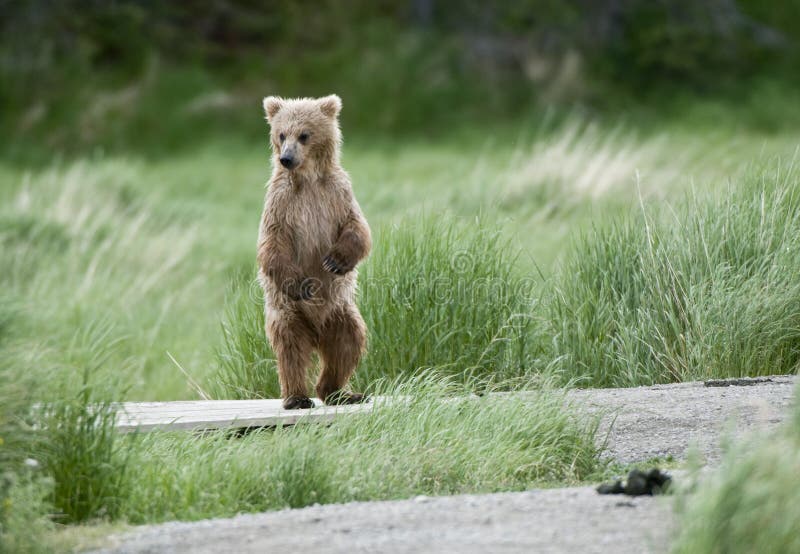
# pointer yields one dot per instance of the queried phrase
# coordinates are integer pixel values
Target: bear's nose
(287, 162)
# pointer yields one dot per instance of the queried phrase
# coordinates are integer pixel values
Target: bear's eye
(303, 137)
(282, 137)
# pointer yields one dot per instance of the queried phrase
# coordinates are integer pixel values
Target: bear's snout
(287, 161)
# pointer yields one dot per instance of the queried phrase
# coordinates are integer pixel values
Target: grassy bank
(430, 446)
(705, 290)
(440, 295)
(443, 441)
(598, 195)
(750, 505)
(544, 261)
(571, 252)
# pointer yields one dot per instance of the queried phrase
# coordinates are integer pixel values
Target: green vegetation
(550, 206)
(707, 290)
(436, 294)
(446, 438)
(82, 455)
(426, 446)
(750, 505)
(111, 264)
(446, 295)
(24, 491)
(138, 256)
(158, 78)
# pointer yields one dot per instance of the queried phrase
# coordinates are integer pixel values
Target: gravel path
(647, 422)
(665, 420)
(544, 521)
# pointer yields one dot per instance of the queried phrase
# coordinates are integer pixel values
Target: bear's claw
(333, 265)
(297, 403)
(341, 397)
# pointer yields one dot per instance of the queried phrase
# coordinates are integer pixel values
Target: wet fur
(311, 238)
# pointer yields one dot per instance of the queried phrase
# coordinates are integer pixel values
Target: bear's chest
(314, 218)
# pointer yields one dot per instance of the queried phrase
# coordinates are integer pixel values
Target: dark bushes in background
(93, 69)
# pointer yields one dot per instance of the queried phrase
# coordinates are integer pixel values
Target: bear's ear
(330, 105)
(272, 105)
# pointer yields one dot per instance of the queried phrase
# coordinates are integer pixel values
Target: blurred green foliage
(135, 72)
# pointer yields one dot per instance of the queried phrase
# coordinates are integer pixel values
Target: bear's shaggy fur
(312, 235)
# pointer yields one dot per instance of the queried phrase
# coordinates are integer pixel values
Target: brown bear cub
(312, 235)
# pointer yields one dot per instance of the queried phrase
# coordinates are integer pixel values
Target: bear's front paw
(297, 403)
(335, 264)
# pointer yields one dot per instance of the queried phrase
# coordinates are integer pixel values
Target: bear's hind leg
(342, 341)
(293, 342)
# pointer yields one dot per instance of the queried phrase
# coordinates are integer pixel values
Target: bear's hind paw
(341, 397)
(297, 403)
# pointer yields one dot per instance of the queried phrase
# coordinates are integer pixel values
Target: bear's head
(305, 132)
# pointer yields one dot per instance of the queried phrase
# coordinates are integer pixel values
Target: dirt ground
(639, 424)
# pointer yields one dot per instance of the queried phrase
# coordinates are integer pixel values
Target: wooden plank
(235, 414)
(198, 415)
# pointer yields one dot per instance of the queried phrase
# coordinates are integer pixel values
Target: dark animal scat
(639, 483)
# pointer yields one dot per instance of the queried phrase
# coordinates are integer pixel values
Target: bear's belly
(336, 292)
(314, 220)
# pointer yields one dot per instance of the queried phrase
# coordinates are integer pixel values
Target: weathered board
(198, 415)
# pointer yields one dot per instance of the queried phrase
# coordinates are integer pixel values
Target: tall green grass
(84, 254)
(111, 264)
(702, 289)
(24, 524)
(750, 505)
(442, 441)
(446, 294)
(25, 490)
(705, 289)
(82, 453)
(246, 365)
(59, 452)
(142, 249)
(435, 294)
